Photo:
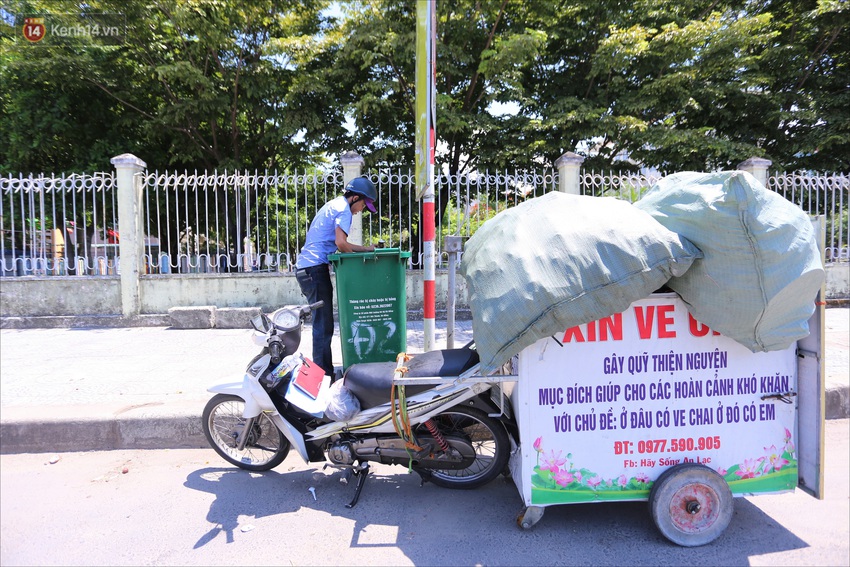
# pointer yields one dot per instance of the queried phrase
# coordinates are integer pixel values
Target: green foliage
(837, 231)
(200, 83)
(465, 220)
(272, 83)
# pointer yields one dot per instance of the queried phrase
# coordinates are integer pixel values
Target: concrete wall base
(200, 317)
(235, 317)
(100, 298)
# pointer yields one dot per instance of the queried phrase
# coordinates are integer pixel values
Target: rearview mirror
(261, 323)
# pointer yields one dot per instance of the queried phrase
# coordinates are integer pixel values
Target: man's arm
(343, 245)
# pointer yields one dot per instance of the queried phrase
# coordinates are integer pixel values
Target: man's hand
(343, 245)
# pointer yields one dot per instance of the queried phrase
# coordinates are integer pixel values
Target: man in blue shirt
(328, 233)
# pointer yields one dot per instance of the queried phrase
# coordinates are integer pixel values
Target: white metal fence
(223, 222)
(64, 225)
(815, 193)
(827, 195)
(226, 222)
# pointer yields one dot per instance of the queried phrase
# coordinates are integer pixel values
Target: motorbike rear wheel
(487, 437)
(222, 422)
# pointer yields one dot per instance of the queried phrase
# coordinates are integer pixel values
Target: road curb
(215, 317)
(170, 428)
(85, 321)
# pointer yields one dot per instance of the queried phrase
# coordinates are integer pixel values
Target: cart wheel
(529, 516)
(690, 504)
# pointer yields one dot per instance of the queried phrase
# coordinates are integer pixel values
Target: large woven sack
(762, 269)
(562, 260)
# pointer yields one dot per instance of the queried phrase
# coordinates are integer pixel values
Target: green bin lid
(379, 253)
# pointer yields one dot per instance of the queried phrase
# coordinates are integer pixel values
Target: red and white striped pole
(426, 139)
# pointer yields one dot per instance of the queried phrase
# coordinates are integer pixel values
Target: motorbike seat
(371, 382)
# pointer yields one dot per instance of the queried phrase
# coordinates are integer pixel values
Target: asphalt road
(188, 507)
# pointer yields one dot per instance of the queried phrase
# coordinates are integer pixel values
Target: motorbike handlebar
(308, 309)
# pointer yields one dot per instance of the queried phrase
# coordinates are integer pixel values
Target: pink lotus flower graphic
(553, 462)
(774, 459)
(594, 482)
(622, 481)
(563, 478)
(747, 469)
(538, 446)
(642, 477)
(789, 446)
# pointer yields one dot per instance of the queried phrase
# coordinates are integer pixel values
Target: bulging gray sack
(561, 260)
(761, 270)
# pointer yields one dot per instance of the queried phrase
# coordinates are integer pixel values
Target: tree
(195, 83)
(477, 47)
(810, 67)
(271, 83)
(698, 85)
(53, 120)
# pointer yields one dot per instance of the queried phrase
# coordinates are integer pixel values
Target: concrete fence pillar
(131, 238)
(569, 167)
(352, 166)
(757, 167)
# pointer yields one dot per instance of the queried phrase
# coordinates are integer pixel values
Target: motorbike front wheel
(266, 446)
(487, 437)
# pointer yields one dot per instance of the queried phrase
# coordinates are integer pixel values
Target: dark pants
(316, 285)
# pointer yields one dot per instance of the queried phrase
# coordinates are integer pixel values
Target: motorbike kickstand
(361, 472)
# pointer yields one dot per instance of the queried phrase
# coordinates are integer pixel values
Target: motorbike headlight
(286, 319)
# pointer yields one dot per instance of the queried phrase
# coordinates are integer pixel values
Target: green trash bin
(372, 300)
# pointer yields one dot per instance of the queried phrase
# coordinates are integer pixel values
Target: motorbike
(430, 413)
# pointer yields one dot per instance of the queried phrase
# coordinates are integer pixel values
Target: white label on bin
(373, 331)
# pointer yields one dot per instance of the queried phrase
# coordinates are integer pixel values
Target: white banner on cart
(610, 405)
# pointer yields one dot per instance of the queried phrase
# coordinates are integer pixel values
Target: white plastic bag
(342, 403)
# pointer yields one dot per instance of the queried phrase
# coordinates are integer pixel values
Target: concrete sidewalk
(79, 389)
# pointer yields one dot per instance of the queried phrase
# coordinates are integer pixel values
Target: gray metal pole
(453, 247)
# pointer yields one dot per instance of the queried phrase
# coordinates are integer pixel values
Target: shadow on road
(436, 526)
